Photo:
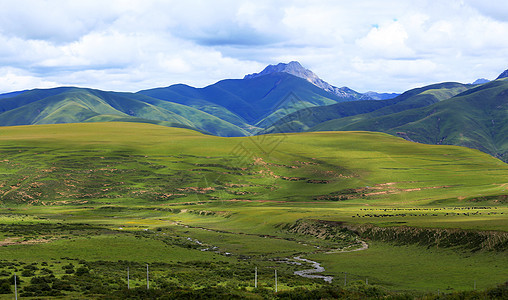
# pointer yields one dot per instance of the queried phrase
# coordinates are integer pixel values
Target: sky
(367, 45)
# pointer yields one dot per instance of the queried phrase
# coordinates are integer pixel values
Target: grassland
(204, 211)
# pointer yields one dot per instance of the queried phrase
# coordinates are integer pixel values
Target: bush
(18, 280)
(62, 285)
(82, 271)
(38, 288)
(5, 288)
(27, 273)
(31, 267)
(45, 279)
(366, 290)
(46, 271)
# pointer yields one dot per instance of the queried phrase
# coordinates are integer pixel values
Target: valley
(83, 203)
(262, 150)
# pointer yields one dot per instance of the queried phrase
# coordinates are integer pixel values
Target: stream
(309, 273)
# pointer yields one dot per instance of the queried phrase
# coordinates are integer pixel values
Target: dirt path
(16, 241)
(364, 246)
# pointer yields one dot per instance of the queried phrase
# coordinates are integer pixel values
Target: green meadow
(82, 203)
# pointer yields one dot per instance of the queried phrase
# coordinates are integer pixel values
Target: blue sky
(129, 45)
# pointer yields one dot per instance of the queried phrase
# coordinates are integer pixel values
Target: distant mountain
(379, 96)
(476, 118)
(285, 98)
(233, 107)
(253, 102)
(296, 69)
(480, 81)
(73, 105)
(503, 75)
(337, 116)
(11, 94)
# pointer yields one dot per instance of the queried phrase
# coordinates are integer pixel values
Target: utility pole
(256, 278)
(15, 288)
(276, 280)
(128, 280)
(147, 278)
(367, 281)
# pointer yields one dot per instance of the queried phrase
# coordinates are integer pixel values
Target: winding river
(309, 273)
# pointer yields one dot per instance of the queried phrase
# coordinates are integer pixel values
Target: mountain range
(296, 69)
(285, 98)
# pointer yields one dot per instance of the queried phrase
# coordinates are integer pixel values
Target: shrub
(46, 271)
(5, 288)
(82, 271)
(27, 273)
(62, 285)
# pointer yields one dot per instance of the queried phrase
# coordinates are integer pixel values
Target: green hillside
(227, 108)
(476, 119)
(357, 111)
(16, 100)
(74, 105)
(325, 166)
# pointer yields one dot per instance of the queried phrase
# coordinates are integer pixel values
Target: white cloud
(386, 41)
(12, 79)
(134, 44)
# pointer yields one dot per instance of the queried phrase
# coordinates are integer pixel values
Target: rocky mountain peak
(293, 68)
(296, 69)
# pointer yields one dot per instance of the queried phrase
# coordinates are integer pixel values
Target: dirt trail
(16, 241)
(364, 246)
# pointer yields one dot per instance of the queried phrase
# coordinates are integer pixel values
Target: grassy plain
(205, 211)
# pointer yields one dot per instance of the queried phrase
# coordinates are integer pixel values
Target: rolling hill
(75, 105)
(227, 108)
(283, 98)
(180, 165)
(350, 112)
(110, 201)
(476, 118)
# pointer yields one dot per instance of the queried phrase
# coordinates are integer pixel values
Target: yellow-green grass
(122, 169)
(109, 248)
(259, 219)
(418, 268)
(346, 160)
